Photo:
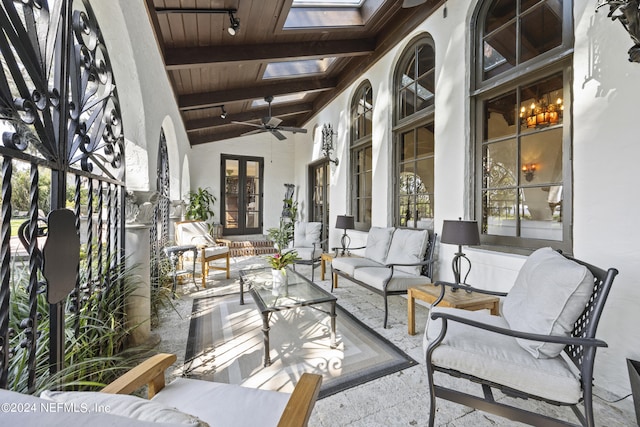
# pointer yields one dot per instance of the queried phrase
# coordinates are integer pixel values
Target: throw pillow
(548, 296)
(378, 241)
(408, 247)
(124, 405)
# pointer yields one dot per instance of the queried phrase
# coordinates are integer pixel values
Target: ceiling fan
(271, 124)
(412, 3)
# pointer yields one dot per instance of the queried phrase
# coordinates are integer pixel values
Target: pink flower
(276, 256)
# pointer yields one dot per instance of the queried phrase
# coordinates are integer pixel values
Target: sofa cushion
(378, 241)
(305, 234)
(499, 358)
(376, 276)
(548, 296)
(224, 405)
(408, 247)
(132, 407)
(349, 264)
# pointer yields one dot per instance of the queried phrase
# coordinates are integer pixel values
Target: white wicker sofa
(394, 259)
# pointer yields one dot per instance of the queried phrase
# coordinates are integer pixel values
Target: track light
(223, 113)
(234, 24)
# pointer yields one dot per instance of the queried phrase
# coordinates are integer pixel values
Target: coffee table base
(266, 328)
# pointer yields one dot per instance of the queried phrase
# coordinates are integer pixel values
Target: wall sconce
(542, 113)
(327, 142)
(529, 171)
(628, 13)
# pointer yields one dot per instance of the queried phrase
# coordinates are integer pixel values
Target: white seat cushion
(375, 277)
(547, 298)
(378, 242)
(224, 405)
(349, 264)
(105, 409)
(308, 254)
(408, 247)
(499, 358)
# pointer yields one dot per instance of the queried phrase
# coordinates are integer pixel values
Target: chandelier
(542, 113)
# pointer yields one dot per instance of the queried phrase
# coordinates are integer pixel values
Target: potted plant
(282, 236)
(199, 205)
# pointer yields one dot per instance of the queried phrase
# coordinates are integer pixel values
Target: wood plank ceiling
(209, 68)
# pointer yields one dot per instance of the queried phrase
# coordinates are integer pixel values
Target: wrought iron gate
(160, 229)
(60, 121)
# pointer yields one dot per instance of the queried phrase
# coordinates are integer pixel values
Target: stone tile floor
(399, 399)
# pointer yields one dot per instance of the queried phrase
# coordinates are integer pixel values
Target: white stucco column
(138, 304)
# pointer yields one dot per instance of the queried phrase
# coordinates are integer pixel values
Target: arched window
(414, 138)
(361, 155)
(521, 98)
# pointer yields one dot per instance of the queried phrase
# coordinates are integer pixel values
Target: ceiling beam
(188, 57)
(208, 99)
(282, 111)
(235, 132)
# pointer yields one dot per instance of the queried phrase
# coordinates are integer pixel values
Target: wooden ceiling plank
(203, 100)
(198, 56)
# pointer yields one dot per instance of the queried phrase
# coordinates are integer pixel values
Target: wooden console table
(459, 299)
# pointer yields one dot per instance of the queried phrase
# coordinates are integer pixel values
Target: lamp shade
(345, 222)
(460, 232)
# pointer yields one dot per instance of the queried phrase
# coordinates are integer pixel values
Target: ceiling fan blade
(278, 135)
(271, 121)
(253, 132)
(412, 3)
(247, 124)
(292, 129)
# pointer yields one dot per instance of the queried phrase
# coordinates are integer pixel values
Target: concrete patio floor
(399, 399)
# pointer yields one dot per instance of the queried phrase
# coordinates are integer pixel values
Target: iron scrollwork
(627, 12)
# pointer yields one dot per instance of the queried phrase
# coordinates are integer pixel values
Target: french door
(241, 194)
(319, 195)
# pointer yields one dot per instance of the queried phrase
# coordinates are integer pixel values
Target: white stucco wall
(146, 98)
(278, 168)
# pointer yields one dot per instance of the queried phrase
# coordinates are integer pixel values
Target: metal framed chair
(542, 347)
(307, 243)
(197, 233)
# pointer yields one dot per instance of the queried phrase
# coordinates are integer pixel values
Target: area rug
(225, 344)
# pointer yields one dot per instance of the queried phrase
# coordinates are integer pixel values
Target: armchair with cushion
(307, 243)
(183, 402)
(542, 347)
(197, 233)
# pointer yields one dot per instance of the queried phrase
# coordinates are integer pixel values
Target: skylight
(319, 14)
(299, 68)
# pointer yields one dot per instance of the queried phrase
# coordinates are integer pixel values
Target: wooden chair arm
(149, 372)
(301, 402)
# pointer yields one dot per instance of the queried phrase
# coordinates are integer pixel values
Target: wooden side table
(460, 299)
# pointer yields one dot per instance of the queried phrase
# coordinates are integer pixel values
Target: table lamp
(346, 223)
(460, 233)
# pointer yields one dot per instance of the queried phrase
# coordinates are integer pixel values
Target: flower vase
(279, 282)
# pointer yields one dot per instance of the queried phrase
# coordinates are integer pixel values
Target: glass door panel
(242, 195)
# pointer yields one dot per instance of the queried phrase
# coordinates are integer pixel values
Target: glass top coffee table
(300, 292)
